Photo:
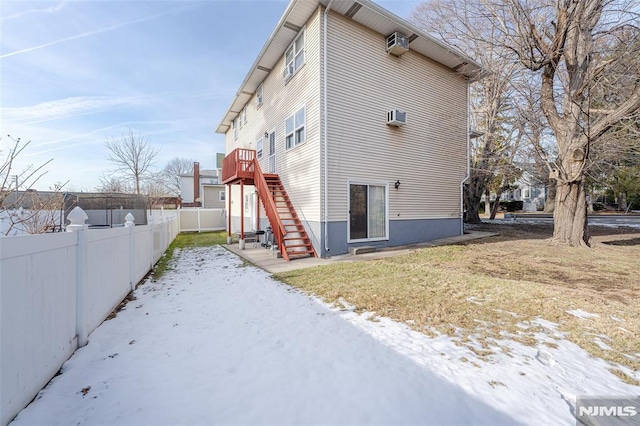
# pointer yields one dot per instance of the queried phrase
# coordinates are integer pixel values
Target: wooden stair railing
(270, 208)
(289, 233)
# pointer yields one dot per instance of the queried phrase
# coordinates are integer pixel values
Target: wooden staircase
(295, 241)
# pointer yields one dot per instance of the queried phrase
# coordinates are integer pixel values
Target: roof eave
(253, 68)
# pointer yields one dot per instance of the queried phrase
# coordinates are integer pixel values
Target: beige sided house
(350, 129)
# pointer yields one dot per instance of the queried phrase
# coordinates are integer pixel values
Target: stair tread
(291, 223)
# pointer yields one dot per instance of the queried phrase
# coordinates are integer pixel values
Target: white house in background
(529, 189)
(350, 129)
(202, 188)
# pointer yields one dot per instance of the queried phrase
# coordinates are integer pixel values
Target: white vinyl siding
(428, 155)
(299, 169)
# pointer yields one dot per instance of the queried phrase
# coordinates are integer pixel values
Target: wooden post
(229, 215)
(241, 241)
(257, 210)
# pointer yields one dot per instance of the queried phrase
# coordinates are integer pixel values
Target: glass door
(357, 212)
(272, 152)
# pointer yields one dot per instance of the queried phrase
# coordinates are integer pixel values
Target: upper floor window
(235, 129)
(221, 196)
(259, 95)
(243, 115)
(294, 129)
(294, 56)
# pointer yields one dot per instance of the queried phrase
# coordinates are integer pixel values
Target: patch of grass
(186, 241)
(485, 291)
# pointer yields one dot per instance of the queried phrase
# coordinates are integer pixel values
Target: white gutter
(325, 127)
(468, 175)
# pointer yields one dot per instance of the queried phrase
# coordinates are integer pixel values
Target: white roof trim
(269, 56)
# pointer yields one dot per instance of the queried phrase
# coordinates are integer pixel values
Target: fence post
(77, 217)
(132, 249)
(151, 239)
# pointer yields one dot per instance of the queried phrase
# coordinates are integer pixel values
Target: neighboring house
(351, 129)
(202, 188)
(529, 189)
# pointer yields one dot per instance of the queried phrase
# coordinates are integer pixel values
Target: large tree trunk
(495, 207)
(472, 196)
(622, 201)
(550, 202)
(570, 215)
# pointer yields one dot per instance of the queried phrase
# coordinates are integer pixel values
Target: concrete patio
(268, 260)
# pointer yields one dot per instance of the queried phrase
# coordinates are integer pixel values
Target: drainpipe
(468, 175)
(325, 126)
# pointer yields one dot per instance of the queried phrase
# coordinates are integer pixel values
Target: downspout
(468, 175)
(325, 127)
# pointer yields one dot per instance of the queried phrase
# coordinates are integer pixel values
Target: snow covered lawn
(215, 341)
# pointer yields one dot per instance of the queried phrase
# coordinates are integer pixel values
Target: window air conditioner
(287, 72)
(395, 117)
(397, 44)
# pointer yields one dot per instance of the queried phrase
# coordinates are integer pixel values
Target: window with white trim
(294, 129)
(526, 193)
(243, 115)
(259, 91)
(259, 148)
(367, 212)
(294, 55)
(222, 196)
(235, 129)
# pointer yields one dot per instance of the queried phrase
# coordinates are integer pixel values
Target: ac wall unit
(397, 44)
(287, 72)
(395, 117)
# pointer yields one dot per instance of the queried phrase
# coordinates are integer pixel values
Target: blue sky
(73, 73)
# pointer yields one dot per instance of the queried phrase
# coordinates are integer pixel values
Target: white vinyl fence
(201, 220)
(57, 288)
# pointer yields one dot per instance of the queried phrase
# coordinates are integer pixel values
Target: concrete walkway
(267, 259)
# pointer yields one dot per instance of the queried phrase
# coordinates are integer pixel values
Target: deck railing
(238, 164)
(270, 209)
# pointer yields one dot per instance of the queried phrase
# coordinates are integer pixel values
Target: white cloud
(69, 107)
(50, 9)
(90, 33)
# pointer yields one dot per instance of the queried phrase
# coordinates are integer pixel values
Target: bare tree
(134, 157)
(171, 173)
(114, 184)
(569, 44)
(459, 23)
(22, 208)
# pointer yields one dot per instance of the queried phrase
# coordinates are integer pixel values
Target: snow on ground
(216, 342)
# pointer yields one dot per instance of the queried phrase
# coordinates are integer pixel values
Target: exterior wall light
(397, 184)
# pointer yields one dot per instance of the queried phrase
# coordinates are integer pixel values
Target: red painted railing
(239, 164)
(270, 209)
